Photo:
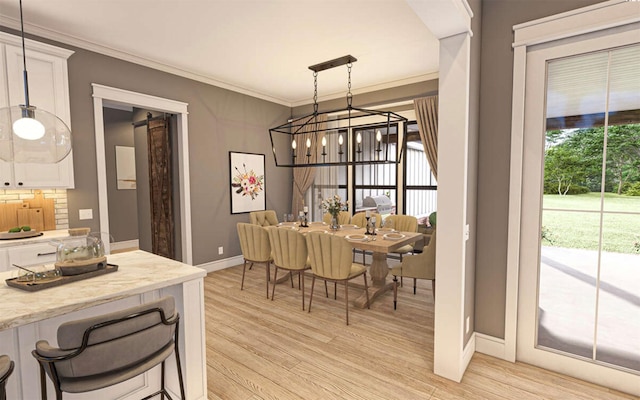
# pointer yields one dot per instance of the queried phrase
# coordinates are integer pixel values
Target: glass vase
(334, 223)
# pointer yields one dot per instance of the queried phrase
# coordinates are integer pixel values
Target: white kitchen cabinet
(32, 254)
(48, 90)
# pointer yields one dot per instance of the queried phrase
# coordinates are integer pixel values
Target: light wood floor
(263, 349)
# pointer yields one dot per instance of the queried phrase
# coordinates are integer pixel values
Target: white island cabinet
(26, 317)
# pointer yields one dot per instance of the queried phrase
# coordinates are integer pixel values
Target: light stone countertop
(46, 237)
(138, 272)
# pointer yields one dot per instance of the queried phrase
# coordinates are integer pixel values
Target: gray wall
(219, 121)
(496, 77)
(143, 203)
(123, 210)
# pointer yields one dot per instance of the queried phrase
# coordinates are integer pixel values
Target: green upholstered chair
(330, 259)
(263, 218)
(99, 352)
(289, 249)
(6, 368)
(255, 246)
(419, 266)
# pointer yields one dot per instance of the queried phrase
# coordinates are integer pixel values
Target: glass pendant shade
(31, 135)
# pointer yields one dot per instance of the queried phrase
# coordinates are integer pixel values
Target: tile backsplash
(59, 197)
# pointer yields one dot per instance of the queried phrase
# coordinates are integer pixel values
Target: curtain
(427, 116)
(303, 176)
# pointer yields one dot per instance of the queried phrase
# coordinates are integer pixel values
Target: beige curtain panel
(303, 176)
(427, 116)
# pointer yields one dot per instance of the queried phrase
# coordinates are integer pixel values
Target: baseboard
(221, 264)
(127, 244)
(490, 345)
(468, 351)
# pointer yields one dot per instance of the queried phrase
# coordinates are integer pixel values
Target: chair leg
(290, 276)
(346, 298)
(268, 275)
(273, 287)
(335, 290)
(395, 291)
(301, 279)
(43, 383)
(244, 267)
(414, 286)
(313, 282)
(162, 390)
(326, 289)
(178, 365)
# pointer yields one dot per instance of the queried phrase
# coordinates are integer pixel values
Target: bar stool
(6, 368)
(127, 343)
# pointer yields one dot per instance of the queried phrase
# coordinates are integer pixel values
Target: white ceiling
(257, 47)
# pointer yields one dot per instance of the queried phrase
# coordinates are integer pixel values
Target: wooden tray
(19, 235)
(63, 280)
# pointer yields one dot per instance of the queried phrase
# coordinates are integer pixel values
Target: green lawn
(579, 229)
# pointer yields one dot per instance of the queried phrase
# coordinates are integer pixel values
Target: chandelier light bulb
(340, 140)
(378, 136)
(359, 138)
(324, 141)
(308, 143)
(293, 144)
(28, 128)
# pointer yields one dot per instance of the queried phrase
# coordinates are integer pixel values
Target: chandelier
(346, 136)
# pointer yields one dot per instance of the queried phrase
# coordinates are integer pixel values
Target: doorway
(117, 97)
(575, 312)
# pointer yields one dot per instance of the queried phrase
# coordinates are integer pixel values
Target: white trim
(449, 326)
(221, 264)
(577, 22)
(490, 345)
(101, 93)
(467, 352)
(35, 46)
(126, 244)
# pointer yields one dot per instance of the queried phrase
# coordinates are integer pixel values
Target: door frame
(103, 93)
(578, 26)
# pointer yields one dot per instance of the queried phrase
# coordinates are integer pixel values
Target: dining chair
(263, 218)
(255, 247)
(102, 351)
(289, 253)
(343, 218)
(6, 368)
(403, 223)
(360, 219)
(330, 259)
(419, 266)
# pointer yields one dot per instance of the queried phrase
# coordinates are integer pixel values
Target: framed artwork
(247, 182)
(125, 167)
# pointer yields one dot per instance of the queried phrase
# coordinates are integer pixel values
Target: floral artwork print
(248, 183)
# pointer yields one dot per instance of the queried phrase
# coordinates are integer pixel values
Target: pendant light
(29, 134)
(338, 137)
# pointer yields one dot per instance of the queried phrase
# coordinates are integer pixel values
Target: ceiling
(257, 47)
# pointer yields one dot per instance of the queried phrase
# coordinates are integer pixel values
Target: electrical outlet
(220, 250)
(85, 214)
(466, 329)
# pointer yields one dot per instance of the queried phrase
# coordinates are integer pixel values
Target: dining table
(380, 244)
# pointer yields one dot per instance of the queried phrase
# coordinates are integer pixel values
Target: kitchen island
(26, 317)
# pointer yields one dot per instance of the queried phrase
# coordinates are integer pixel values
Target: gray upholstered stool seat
(102, 351)
(6, 368)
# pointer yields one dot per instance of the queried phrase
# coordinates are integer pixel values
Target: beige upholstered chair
(6, 368)
(263, 218)
(403, 223)
(102, 351)
(254, 243)
(360, 219)
(330, 258)
(419, 266)
(343, 218)
(289, 253)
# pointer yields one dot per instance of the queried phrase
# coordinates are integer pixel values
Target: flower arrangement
(247, 182)
(333, 205)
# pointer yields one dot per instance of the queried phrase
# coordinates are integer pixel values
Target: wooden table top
(376, 243)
